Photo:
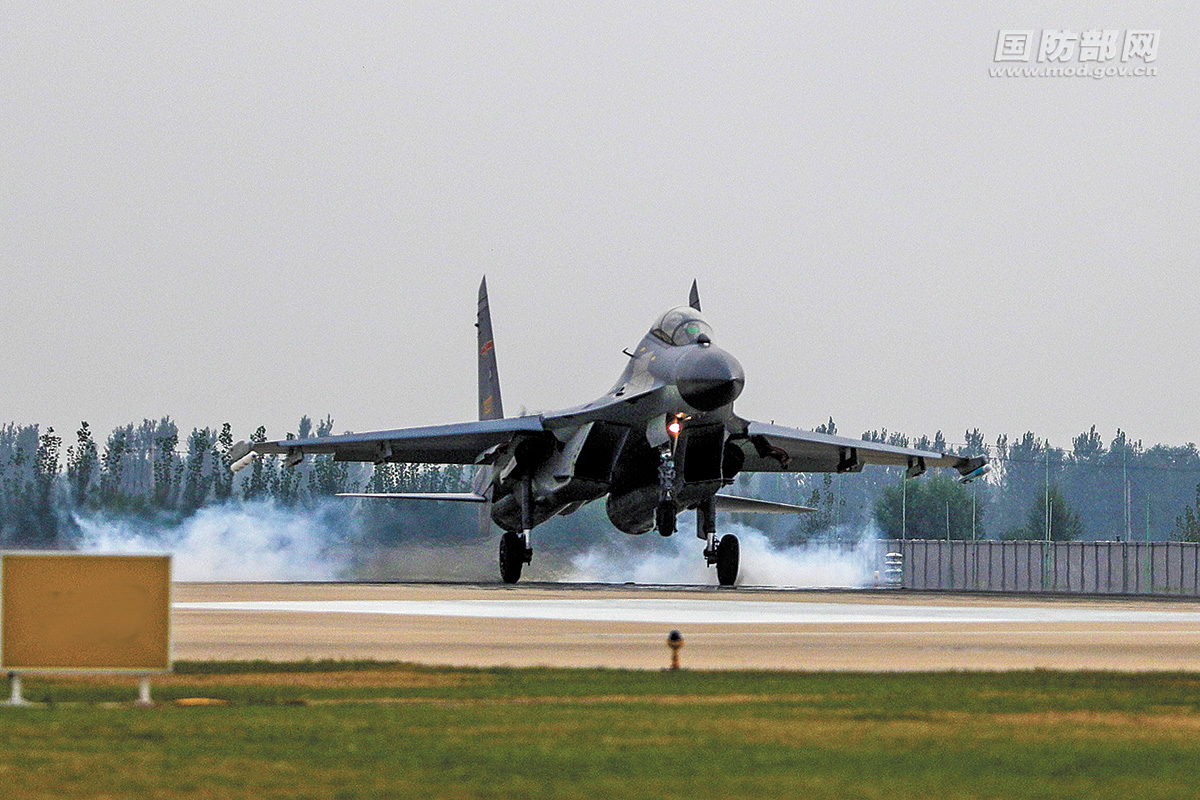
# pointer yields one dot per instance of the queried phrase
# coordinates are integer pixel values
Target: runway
(626, 627)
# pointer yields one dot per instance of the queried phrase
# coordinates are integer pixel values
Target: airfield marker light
(675, 642)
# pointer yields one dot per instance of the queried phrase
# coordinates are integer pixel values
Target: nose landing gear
(665, 511)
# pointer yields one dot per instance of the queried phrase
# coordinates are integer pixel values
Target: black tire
(512, 557)
(664, 518)
(728, 556)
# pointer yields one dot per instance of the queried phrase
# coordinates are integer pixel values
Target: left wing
(774, 448)
(462, 443)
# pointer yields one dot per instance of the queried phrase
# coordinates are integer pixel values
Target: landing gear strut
(515, 548)
(724, 553)
(665, 511)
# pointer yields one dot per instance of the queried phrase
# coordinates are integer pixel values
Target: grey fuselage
(616, 445)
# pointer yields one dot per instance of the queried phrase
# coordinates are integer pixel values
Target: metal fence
(1163, 568)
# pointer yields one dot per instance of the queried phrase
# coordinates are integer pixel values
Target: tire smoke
(844, 564)
(254, 541)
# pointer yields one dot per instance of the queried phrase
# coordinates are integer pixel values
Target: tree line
(149, 471)
(1094, 489)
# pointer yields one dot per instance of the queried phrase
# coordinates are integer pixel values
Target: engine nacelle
(632, 511)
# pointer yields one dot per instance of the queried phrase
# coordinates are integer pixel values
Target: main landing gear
(515, 553)
(515, 548)
(725, 553)
(727, 558)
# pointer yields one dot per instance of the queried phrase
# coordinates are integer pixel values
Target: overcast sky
(249, 211)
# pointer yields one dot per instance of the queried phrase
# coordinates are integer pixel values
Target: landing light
(674, 427)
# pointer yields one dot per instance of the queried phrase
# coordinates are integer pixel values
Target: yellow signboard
(61, 611)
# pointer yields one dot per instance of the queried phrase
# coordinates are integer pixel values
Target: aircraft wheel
(512, 556)
(728, 557)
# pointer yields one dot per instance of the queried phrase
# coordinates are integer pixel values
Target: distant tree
(197, 481)
(222, 474)
(46, 466)
(1187, 524)
(18, 485)
(813, 523)
(112, 465)
(974, 444)
(166, 439)
(882, 436)
(258, 485)
(385, 478)
(1064, 523)
(1087, 447)
(82, 461)
(930, 506)
(41, 528)
(328, 477)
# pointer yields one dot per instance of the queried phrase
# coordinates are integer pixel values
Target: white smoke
(255, 541)
(679, 561)
(261, 541)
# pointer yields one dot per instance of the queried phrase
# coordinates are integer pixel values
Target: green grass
(509, 733)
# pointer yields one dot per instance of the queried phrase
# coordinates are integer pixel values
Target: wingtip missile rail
(976, 473)
(241, 454)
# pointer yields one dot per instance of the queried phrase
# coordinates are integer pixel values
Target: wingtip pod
(976, 473)
(240, 456)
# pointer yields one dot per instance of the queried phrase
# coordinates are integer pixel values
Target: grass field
(363, 729)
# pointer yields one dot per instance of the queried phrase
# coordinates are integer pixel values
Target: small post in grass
(15, 698)
(675, 642)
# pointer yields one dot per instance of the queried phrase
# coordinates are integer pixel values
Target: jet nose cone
(709, 378)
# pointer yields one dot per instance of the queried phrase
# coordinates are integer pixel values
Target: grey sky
(247, 212)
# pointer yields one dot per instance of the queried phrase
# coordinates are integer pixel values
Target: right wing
(461, 443)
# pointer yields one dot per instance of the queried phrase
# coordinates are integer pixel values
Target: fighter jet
(664, 439)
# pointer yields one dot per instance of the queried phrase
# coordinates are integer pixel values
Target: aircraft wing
(461, 443)
(775, 448)
(728, 502)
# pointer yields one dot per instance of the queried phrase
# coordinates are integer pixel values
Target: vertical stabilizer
(489, 378)
(694, 297)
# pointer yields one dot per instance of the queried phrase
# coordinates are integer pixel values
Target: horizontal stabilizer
(727, 502)
(463, 497)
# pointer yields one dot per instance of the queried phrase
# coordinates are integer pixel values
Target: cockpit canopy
(681, 325)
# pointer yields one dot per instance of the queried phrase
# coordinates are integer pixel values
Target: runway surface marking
(703, 612)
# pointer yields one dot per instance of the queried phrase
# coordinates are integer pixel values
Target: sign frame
(148, 669)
